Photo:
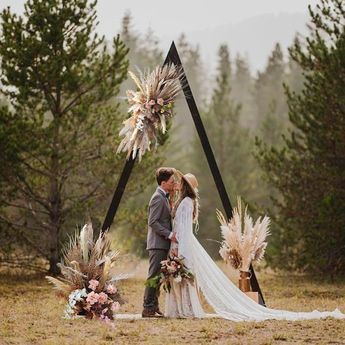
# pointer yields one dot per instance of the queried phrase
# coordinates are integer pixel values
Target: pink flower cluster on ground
(101, 304)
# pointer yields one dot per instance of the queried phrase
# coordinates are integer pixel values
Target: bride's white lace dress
(226, 299)
(183, 300)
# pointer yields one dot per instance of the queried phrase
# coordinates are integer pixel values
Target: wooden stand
(253, 295)
(244, 281)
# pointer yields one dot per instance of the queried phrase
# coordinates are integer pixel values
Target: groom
(159, 236)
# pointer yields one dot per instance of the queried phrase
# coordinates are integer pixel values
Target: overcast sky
(169, 19)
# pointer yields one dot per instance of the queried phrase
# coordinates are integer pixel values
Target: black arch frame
(173, 57)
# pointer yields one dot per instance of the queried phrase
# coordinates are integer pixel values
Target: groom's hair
(163, 174)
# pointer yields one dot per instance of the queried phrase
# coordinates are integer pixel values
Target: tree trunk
(53, 258)
(55, 204)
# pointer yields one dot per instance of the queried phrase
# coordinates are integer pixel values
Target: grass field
(30, 313)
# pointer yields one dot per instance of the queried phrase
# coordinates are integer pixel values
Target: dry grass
(30, 313)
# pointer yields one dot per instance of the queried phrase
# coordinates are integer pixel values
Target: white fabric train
(226, 299)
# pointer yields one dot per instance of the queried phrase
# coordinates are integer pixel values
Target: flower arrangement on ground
(151, 106)
(172, 268)
(87, 284)
(243, 240)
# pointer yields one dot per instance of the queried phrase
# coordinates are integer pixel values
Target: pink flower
(93, 283)
(92, 298)
(156, 107)
(102, 297)
(160, 101)
(152, 102)
(111, 289)
(115, 306)
(104, 310)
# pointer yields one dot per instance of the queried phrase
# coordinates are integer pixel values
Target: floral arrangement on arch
(151, 106)
(171, 269)
(87, 285)
(243, 240)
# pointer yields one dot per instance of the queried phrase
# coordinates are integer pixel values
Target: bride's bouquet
(151, 106)
(243, 240)
(87, 284)
(171, 269)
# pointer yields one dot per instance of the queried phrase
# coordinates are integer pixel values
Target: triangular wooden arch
(174, 58)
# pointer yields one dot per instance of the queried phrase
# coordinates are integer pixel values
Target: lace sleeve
(184, 229)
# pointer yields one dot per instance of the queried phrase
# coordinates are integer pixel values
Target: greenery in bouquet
(87, 283)
(172, 268)
(151, 106)
(243, 240)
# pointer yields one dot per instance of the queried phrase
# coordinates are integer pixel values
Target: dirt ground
(30, 313)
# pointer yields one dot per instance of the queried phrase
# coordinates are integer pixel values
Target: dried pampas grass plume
(243, 240)
(83, 260)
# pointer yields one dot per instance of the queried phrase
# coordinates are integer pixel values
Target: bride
(226, 299)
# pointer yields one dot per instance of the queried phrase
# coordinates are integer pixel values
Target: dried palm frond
(62, 287)
(84, 260)
(151, 106)
(243, 241)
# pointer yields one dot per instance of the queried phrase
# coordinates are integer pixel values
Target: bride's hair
(187, 191)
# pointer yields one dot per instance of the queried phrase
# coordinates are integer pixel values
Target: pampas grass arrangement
(87, 282)
(151, 107)
(244, 241)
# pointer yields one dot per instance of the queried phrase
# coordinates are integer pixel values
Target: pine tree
(243, 85)
(269, 91)
(144, 51)
(309, 171)
(231, 146)
(60, 80)
(144, 54)
(294, 74)
(183, 128)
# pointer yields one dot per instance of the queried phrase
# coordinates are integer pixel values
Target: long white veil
(230, 302)
(227, 300)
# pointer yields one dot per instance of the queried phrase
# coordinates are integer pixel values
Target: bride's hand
(173, 238)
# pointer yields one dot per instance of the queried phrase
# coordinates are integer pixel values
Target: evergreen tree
(269, 91)
(131, 232)
(183, 129)
(144, 52)
(193, 65)
(309, 171)
(243, 92)
(231, 147)
(60, 80)
(294, 74)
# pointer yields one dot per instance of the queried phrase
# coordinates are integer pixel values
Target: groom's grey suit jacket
(159, 222)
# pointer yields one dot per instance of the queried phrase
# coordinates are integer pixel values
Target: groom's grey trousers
(158, 242)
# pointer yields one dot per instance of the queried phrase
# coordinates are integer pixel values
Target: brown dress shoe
(148, 313)
(151, 313)
(159, 312)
